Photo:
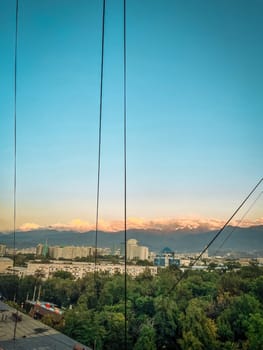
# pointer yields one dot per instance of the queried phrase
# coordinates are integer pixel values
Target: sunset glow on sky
(194, 113)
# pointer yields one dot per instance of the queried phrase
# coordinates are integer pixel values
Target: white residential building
(136, 251)
(79, 270)
(2, 249)
(5, 264)
(70, 252)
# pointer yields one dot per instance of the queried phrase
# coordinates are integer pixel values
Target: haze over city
(194, 114)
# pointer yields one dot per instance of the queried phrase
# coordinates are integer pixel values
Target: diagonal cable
(216, 235)
(239, 222)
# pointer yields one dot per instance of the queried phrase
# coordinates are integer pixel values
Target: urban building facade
(5, 264)
(166, 260)
(79, 270)
(70, 252)
(2, 249)
(135, 251)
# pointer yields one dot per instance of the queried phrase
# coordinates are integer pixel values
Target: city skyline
(194, 113)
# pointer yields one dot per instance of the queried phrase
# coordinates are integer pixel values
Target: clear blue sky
(195, 107)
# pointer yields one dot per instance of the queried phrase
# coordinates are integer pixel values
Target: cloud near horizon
(161, 224)
(29, 226)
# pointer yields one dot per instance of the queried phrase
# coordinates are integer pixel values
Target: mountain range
(248, 239)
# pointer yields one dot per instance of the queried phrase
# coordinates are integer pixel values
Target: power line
(100, 135)
(125, 158)
(239, 222)
(15, 146)
(125, 169)
(217, 234)
(96, 287)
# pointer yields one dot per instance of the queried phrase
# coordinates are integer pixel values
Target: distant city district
(80, 260)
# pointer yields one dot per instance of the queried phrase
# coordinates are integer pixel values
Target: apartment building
(79, 270)
(135, 251)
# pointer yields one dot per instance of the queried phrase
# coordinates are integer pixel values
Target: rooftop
(30, 334)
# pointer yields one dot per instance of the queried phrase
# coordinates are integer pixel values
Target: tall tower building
(136, 251)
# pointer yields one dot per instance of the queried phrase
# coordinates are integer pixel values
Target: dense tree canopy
(215, 310)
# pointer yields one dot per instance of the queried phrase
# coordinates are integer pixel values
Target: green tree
(256, 287)
(165, 322)
(255, 332)
(144, 305)
(232, 283)
(233, 322)
(197, 328)
(83, 326)
(21, 259)
(62, 292)
(9, 286)
(26, 287)
(63, 274)
(112, 291)
(146, 340)
(252, 271)
(190, 342)
(143, 263)
(232, 264)
(113, 324)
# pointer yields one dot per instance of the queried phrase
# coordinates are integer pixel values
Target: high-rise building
(39, 249)
(2, 249)
(70, 252)
(136, 251)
